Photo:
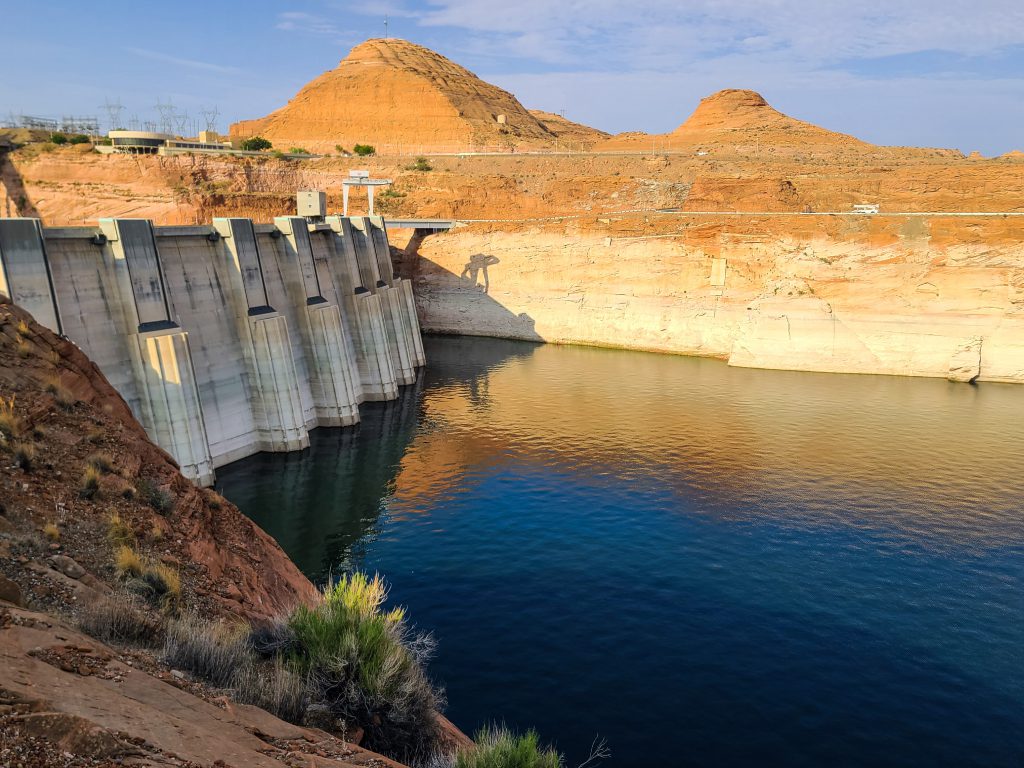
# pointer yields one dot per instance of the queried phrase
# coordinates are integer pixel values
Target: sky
(943, 73)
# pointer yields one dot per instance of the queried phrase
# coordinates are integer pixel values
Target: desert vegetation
(364, 150)
(256, 144)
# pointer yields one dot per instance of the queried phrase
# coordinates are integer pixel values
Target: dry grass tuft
(10, 424)
(119, 533)
(272, 686)
(212, 651)
(51, 531)
(165, 582)
(101, 462)
(119, 618)
(25, 455)
(89, 487)
(128, 562)
(24, 348)
(65, 399)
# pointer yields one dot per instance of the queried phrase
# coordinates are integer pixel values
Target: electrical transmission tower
(113, 110)
(166, 112)
(181, 122)
(210, 115)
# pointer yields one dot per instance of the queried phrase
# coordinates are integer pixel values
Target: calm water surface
(705, 565)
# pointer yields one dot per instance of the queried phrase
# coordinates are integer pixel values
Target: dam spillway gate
(229, 339)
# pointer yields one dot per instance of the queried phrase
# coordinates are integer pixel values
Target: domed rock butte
(402, 97)
(397, 95)
(735, 116)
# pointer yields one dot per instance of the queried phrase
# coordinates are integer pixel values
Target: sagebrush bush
(361, 665)
(119, 618)
(498, 747)
(214, 652)
(51, 531)
(157, 498)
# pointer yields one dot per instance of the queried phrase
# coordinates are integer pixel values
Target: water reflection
(707, 565)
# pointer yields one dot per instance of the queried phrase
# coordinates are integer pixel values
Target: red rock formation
(69, 412)
(736, 117)
(394, 95)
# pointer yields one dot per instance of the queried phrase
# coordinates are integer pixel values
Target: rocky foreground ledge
(78, 479)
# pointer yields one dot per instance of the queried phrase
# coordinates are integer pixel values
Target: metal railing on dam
(229, 339)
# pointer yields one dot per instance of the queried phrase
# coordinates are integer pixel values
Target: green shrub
(497, 747)
(340, 149)
(256, 144)
(364, 150)
(367, 667)
(214, 652)
(298, 151)
(421, 164)
(58, 138)
(78, 138)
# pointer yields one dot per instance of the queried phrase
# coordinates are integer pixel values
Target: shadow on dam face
(446, 298)
(323, 505)
(16, 201)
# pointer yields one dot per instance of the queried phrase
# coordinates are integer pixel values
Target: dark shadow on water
(323, 504)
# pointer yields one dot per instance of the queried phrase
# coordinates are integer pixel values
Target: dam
(229, 339)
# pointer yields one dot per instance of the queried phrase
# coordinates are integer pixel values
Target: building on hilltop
(149, 143)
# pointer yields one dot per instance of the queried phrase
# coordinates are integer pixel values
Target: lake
(704, 565)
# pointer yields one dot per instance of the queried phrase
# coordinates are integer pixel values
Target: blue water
(703, 565)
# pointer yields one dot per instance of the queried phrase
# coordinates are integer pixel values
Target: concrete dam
(229, 339)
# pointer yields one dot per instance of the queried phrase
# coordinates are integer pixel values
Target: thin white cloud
(307, 23)
(205, 66)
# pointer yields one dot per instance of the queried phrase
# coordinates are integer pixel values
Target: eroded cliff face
(888, 299)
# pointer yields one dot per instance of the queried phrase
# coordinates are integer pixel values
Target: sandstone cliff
(396, 94)
(808, 300)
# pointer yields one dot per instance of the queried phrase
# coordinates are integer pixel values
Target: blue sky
(917, 72)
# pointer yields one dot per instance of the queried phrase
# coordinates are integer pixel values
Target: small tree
(256, 144)
(58, 138)
(364, 150)
(421, 164)
(340, 149)
(79, 138)
(298, 151)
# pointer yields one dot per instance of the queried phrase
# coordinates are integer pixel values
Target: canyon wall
(224, 340)
(884, 295)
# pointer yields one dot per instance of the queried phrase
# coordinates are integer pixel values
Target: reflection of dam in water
(225, 340)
